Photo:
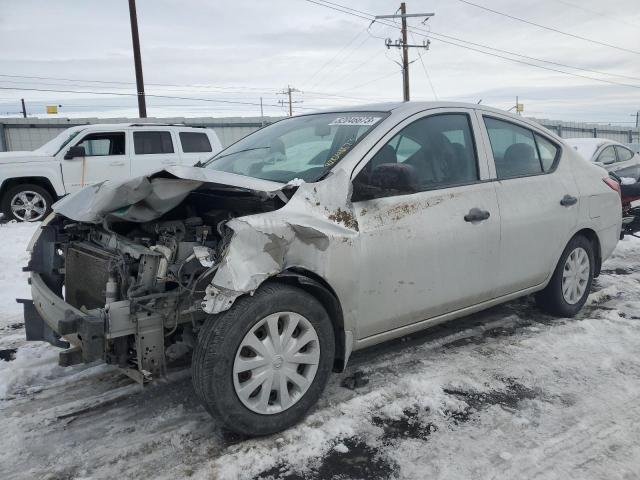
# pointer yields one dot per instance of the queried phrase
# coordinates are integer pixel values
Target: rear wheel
(570, 284)
(26, 203)
(259, 367)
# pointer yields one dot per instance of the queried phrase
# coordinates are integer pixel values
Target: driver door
(106, 158)
(422, 253)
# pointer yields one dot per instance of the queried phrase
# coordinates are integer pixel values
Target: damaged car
(313, 237)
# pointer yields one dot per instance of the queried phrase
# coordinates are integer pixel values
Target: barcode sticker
(355, 120)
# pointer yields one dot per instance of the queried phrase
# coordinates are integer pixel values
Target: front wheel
(259, 367)
(26, 203)
(570, 284)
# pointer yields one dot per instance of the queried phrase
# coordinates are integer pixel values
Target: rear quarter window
(195, 142)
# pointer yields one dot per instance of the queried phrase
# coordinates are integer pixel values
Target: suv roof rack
(151, 124)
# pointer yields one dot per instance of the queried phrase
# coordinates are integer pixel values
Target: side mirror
(74, 152)
(398, 177)
(386, 180)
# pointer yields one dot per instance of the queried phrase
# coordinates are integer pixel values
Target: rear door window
(195, 142)
(514, 149)
(147, 143)
(607, 156)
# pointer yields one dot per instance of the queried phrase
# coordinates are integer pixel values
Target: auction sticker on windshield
(353, 120)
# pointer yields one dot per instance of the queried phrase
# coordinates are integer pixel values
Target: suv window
(193, 142)
(514, 149)
(146, 143)
(439, 149)
(607, 156)
(624, 154)
(101, 144)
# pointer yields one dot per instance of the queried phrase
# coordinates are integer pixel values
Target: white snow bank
(13, 281)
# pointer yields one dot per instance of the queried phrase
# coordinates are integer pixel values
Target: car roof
(408, 107)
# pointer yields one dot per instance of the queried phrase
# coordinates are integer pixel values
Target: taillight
(613, 184)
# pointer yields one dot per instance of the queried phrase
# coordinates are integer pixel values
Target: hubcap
(276, 362)
(575, 275)
(28, 206)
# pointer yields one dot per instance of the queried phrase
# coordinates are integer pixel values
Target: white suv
(31, 181)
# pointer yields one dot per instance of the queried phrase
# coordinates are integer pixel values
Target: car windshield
(304, 147)
(57, 143)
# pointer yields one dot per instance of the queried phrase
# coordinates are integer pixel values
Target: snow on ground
(13, 256)
(507, 393)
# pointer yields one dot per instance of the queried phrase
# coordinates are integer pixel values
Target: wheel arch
(326, 295)
(592, 236)
(43, 182)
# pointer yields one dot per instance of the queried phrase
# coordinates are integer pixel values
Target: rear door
(153, 150)
(107, 158)
(416, 246)
(195, 146)
(537, 197)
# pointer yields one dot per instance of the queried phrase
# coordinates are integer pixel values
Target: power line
(361, 14)
(600, 14)
(550, 62)
(261, 89)
(324, 65)
(80, 83)
(371, 81)
(133, 95)
(433, 90)
(551, 29)
(342, 61)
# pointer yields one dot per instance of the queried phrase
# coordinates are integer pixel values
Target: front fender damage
(313, 226)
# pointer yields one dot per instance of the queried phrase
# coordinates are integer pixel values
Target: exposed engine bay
(139, 286)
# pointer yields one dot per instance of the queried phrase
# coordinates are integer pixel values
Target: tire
(552, 299)
(38, 206)
(222, 347)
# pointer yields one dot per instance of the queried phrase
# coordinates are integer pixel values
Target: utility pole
(289, 90)
(142, 107)
(261, 114)
(404, 45)
(24, 109)
(405, 54)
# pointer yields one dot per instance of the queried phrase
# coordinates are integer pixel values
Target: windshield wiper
(234, 153)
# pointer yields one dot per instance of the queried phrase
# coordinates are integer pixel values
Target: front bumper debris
(49, 318)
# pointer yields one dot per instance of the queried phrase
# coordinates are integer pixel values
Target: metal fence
(589, 130)
(31, 133)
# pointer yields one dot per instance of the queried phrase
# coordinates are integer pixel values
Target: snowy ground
(506, 394)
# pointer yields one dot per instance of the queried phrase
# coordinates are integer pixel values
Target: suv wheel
(26, 203)
(570, 284)
(259, 367)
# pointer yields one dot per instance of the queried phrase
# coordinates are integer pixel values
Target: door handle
(117, 164)
(568, 200)
(476, 215)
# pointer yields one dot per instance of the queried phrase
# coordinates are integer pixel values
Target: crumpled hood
(22, 157)
(146, 198)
